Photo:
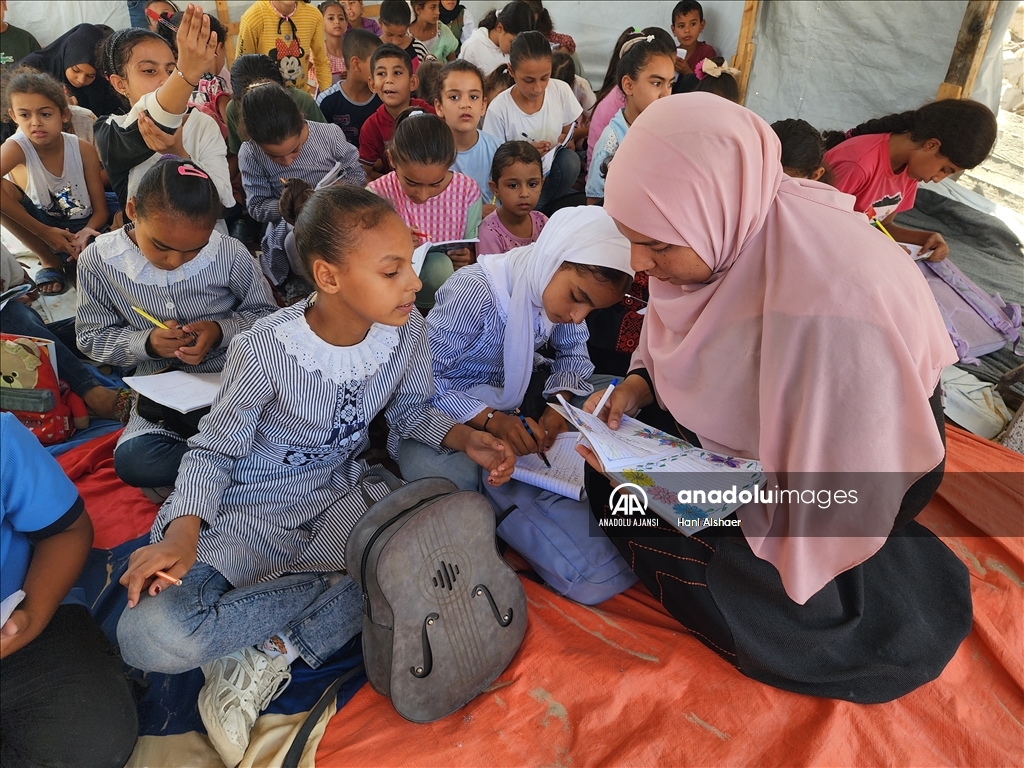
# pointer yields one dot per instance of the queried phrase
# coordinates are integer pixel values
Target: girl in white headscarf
(490, 322)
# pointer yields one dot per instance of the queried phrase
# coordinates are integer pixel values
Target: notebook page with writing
(184, 392)
(566, 474)
(632, 443)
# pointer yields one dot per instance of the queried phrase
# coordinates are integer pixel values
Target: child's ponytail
(528, 46)
(421, 138)
(327, 227)
(178, 188)
(966, 129)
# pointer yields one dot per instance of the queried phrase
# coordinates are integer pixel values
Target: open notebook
(566, 473)
(663, 466)
(419, 256)
(183, 392)
(547, 162)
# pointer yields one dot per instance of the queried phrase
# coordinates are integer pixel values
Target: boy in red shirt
(394, 82)
(687, 25)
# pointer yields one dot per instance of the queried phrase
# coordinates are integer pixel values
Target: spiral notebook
(565, 476)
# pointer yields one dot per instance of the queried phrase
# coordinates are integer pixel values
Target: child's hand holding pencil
(156, 567)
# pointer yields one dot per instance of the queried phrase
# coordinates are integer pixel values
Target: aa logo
(628, 499)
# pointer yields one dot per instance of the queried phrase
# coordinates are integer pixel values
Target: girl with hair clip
(488, 46)
(882, 161)
(610, 98)
(284, 154)
(714, 76)
(142, 68)
(437, 203)
(644, 75)
(266, 499)
(202, 287)
(803, 150)
(540, 110)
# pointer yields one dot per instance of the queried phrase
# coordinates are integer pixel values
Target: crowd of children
(336, 146)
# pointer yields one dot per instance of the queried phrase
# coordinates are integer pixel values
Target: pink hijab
(814, 346)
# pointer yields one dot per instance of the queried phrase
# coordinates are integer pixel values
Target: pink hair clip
(699, 69)
(191, 170)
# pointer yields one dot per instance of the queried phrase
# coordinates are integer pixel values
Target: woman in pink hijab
(781, 328)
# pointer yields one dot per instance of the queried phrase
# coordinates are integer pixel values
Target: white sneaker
(238, 687)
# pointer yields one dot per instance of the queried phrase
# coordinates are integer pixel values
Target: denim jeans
(21, 319)
(417, 460)
(205, 619)
(564, 172)
(150, 460)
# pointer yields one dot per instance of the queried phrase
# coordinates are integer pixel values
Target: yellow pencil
(151, 319)
(877, 223)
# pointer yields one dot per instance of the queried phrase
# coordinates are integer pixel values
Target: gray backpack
(443, 613)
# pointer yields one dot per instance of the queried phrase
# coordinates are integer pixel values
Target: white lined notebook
(566, 473)
(184, 392)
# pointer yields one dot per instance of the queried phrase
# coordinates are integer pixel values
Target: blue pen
(529, 431)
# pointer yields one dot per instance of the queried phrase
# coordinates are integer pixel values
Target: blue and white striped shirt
(467, 334)
(221, 283)
(274, 470)
(261, 179)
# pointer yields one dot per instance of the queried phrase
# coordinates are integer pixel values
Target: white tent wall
(831, 63)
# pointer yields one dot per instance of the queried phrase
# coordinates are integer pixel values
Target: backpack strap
(291, 758)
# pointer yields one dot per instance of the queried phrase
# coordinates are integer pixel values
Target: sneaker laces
(241, 672)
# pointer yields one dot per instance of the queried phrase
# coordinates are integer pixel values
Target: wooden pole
(975, 30)
(744, 58)
(224, 16)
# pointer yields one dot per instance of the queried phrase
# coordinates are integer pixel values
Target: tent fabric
(879, 56)
(623, 683)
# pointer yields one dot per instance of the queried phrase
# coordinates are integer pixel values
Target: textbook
(688, 487)
(419, 256)
(177, 390)
(566, 473)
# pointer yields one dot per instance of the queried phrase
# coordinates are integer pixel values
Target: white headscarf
(581, 235)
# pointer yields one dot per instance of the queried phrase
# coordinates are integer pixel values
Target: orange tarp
(624, 684)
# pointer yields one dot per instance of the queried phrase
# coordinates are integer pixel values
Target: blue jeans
(564, 172)
(137, 14)
(417, 460)
(205, 619)
(22, 320)
(150, 460)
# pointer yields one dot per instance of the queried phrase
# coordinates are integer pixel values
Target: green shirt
(307, 106)
(16, 44)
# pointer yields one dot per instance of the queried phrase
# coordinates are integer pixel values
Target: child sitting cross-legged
(202, 287)
(266, 499)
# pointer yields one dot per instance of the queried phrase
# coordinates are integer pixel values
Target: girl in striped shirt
(283, 145)
(257, 525)
(438, 204)
(170, 263)
(494, 319)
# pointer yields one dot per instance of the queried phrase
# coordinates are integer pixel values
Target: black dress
(872, 634)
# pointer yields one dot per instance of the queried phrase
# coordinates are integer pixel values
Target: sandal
(48, 275)
(123, 405)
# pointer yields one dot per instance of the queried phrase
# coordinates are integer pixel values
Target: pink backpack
(978, 323)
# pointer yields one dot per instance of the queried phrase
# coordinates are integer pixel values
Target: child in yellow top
(292, 34)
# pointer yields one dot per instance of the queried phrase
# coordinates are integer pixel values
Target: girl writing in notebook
(491, 319)
(283, 145)
(256, 528)
(882, 161)
(437, 203)
(165, 292)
